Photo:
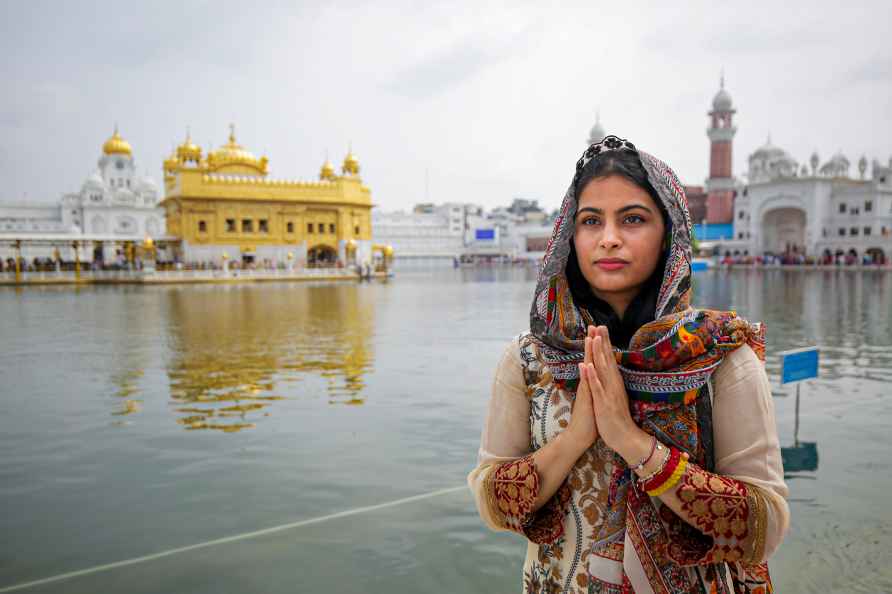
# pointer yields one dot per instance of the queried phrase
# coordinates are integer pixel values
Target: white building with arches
(817, 210)
(113, 203)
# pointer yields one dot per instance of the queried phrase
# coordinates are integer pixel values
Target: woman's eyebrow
(626, 208)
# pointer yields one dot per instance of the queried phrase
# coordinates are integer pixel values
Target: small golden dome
(116, 145)
(327, 171)
(170, 164)
(388, 251)
(233, 154)
(351, 164)
(189, 151)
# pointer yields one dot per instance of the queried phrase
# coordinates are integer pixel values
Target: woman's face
(618, 238)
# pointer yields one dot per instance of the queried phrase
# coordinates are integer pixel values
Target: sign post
(798, 365)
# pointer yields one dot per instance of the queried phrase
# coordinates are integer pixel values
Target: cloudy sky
(492, 100)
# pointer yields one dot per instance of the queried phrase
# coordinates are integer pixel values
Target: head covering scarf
(668, 360)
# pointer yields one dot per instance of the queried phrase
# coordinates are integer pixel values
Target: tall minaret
(597, 133)
(720, 184)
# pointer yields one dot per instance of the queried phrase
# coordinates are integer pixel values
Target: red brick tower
(720, 184)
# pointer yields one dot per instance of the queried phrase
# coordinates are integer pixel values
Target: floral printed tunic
(739, 512)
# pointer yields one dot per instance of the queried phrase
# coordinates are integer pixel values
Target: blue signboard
(699, 266)
(484, 234)
(799, 364)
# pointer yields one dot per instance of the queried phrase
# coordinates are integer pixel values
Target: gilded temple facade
(222, 205)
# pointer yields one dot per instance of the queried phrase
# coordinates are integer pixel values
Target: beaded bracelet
(646, 459)
(660, 468)
(664, 472)
(670, 476)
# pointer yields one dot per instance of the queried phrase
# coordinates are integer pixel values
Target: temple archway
(877, 255)
(322, 256)
(783, 229)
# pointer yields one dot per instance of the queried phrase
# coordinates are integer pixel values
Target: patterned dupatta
(665, 369)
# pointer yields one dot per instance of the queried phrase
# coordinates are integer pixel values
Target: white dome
(597, 133)
(770, 162)
(94, 182)
(722, 101)
(837, 166)
(770, 151)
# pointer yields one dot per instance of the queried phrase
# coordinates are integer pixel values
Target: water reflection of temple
(132, 322)
(126, 382)
(236, 350)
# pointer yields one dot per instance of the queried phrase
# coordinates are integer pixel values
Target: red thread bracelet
(663, 476)
(653, 448)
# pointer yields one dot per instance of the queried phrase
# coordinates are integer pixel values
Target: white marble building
(114, 204)
(429, 234)
(818, 210)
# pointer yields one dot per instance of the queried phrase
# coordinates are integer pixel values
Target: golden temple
(222, 204)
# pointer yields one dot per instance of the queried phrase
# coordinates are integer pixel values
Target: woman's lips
(611, 264)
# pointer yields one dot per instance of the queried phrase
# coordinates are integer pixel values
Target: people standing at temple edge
(630, 437)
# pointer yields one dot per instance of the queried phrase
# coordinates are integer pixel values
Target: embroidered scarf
(668, 361)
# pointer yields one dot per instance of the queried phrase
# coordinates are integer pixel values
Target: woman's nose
(609, 237)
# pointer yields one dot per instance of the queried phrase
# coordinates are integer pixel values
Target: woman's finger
(596, 346)
(594, 382)
(584, 393)
(608, 349)
(611, 357)
(603, 334)
(588, 349)
(597, 391)
(598, 354)
(583, 385)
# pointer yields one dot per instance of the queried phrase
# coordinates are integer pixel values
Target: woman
(631, 437)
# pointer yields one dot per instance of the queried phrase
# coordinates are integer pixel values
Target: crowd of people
(47, 264)
(799, 258)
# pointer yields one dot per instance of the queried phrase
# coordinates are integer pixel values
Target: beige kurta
(746, 448)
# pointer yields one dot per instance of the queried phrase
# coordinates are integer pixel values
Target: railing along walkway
(177, 276)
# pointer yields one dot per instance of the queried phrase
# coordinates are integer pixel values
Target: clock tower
(116, 163)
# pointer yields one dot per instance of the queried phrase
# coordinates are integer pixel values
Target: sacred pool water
(140, 421)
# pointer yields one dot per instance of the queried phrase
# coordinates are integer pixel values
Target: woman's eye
(590, 221)
(634, 219)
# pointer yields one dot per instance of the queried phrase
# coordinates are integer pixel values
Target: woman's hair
(618, 162)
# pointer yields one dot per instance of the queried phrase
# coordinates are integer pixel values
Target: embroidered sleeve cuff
(729, 513)
(511, 491)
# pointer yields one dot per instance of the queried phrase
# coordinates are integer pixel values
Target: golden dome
(116, 145)
(234, 155)
(189, 151)
(327, 171)
(351, 164)
(171, 163)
